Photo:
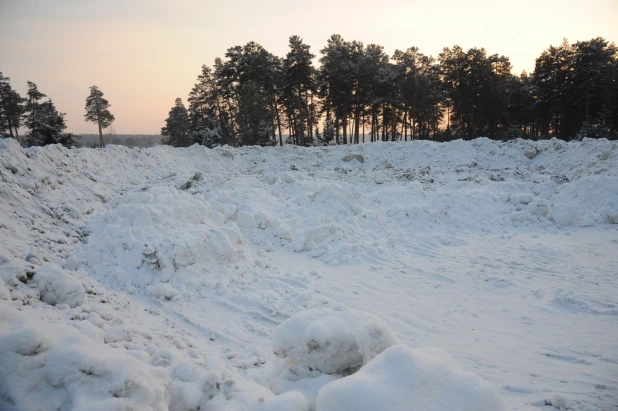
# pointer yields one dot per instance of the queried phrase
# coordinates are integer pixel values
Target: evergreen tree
(476, 85)
(47, 126)
(576, 84)
(374, 65)
(247, 81)
(97, 111)
(177, 125)
(209, 120)
(337, 81)
(297, 90)
(255, 120)
(11, 109)
(32, 108)
(328, 133)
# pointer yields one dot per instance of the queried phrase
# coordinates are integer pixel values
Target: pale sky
(144, 53)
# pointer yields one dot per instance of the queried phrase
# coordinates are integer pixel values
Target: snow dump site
(390, 276)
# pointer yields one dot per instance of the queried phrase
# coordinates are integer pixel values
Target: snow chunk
(163, 291)
(246, 220)
(564, 214)
(539, 207)
(58, 287)
(332, 341)
(403, 378)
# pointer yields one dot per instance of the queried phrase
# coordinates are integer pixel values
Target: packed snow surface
(290, 278)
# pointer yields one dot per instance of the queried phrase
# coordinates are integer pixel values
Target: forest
(359, 94)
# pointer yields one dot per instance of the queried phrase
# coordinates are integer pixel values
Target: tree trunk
(384, 122)
(101, 141)
(337, 129)
(405, 124)
(357, 126)
(279, 126)
(345, 125)
(364, 128)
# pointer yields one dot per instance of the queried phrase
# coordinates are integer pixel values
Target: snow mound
(296, 377)
(332, 341)
(207, 384)
(47, 366)
(401, 378)
(58, 287)
(157, 237)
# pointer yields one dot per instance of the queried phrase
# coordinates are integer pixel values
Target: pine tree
(97, 111)
(297, 90)
(177, 125)
(44, 122)
(208, 121)
(247, 82)
(11, 108)
(47, 126)
(337, 81)
(32, 107)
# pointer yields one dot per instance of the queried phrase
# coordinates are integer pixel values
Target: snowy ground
(157, 277)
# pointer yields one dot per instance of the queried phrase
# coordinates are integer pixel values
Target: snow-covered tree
(97, 111)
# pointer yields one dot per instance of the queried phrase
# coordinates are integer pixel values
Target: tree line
(45, 124)
(360, 94)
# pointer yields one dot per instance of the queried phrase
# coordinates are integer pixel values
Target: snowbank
(402, 378)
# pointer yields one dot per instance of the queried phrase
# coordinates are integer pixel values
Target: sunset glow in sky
(144, 53)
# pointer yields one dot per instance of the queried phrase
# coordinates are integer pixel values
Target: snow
(169, 295)
(332, 341)
(403, 378)
(49, 366)
(58, 287)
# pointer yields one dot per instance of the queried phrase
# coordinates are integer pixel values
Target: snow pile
(52, 366)
(322, 344)
(163, 241)
(210, 385)
(332, 341)
(416, 380)
(58, 287)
